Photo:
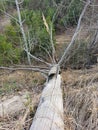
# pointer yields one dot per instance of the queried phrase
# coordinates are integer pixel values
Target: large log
(49, 114)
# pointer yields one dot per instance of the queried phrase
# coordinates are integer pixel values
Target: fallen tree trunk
(49, 115)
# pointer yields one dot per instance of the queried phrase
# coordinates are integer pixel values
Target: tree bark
(22, 31)
(49, 115)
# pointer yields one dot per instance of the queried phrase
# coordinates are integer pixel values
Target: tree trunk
(49, 115)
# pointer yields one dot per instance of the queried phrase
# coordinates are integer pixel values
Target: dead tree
(49, 115)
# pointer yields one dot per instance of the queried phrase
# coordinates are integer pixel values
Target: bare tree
(22, 31)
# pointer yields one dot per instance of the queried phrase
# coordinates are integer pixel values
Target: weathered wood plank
(49, 115)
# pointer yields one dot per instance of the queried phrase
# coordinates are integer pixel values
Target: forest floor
(76, 84)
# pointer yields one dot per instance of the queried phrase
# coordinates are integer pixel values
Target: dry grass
(20, 83)
(23, 120)
(17, 82)
(81, 101)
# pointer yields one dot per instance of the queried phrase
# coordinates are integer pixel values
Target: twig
(37, 59)
(52, 44)
(29, 66)
(33, 69)
(75, 34)
(46, 52)
(25, 116)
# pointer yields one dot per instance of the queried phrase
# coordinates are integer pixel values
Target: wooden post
(49, 114)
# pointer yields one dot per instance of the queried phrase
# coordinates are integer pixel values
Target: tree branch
(37, 59)
(52, 44)
(24, 68)
(22, 30)
(75, 34)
